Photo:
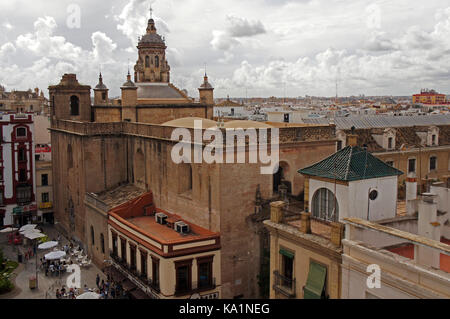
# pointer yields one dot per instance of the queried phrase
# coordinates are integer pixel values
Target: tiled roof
(158, 91)
(361, 122)
(351, 164)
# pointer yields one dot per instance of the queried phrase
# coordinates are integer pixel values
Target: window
(44, 179)
(103, 96)
(390, 140)
(114, 244)
(1, 197)
(22, 157)
(102, 243)
(147, 62)
(69, 156)
(143, 264)
(1, 174)
(45, 197)
(433, 139)
(23, 193)
(22, 175)
(412, 165)
(155, 273)
(316, 282)
(21, 132)
(92, 236)
(157, 61)
(123, 249)
(132, 257)
(339, 145)
(31, 108)
(390, 163)
(324, 205)
(286, 118)
(74, 105)
(433, 163)
(37, 157)
(205, 269)
(287, 267)
(183, 276)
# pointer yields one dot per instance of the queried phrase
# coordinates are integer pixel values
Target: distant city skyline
(257, 48)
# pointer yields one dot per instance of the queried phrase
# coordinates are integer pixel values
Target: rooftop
(352, 163)
(119, 195)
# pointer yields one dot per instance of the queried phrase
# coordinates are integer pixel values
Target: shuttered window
(315, 284)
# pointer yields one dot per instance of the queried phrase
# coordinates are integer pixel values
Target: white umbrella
(89, 295)
(24, 228)
(55, 255)
(34, 235)
(48, 245)
(8, 230)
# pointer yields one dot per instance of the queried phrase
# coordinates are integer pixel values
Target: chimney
(276, 211)
(352, 140)
(428, 227)
(337, 233)
(305, 225)
(411, 196)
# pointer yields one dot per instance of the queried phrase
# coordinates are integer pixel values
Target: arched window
(92, 236)
(325, 205)
(147, 61)
(157, 61)
(102, 242)
(74, 105)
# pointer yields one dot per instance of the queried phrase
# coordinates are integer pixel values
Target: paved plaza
(47, 285)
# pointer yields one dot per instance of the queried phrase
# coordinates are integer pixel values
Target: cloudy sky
(253, 47)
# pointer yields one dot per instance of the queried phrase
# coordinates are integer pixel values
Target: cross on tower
(151, 12)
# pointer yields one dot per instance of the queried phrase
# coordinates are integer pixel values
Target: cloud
(228, 39)
(133, 19)
(241, 27)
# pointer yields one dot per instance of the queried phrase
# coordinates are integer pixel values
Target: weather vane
(151, 12)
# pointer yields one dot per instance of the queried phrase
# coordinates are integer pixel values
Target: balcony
(139, 279)
(197, 287)
(284, 285)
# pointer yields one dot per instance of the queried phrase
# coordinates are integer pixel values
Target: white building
(17, 170)
(351, 183)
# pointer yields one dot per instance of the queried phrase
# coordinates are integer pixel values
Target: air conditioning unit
(181, 227)
(161, 218)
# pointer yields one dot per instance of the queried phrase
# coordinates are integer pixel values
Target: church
(111, 152)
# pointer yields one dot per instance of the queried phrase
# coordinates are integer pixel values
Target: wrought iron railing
(283, 285)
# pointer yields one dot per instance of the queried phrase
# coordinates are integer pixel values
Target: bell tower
(70, 100)
(151, 65)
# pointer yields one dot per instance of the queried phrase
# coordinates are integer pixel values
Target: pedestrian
(86, 288)
(58, 294)
(97, 280)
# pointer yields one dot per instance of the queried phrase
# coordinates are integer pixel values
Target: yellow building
(305, 256)
(429, 97)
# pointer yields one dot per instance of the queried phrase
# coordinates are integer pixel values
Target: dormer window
(433, 136)
(74, 105)
(433, 139)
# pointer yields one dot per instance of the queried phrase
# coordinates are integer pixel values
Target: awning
(139, 294)
(286, 253)
(127, 285)
(315, 283)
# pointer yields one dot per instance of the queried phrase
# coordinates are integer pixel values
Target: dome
(128, 83)
(101, 86)
(188, 122)
(245, 124)
(151, 38)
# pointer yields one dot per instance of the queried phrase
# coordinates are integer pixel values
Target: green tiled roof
(351, 164)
